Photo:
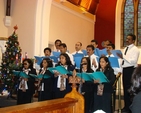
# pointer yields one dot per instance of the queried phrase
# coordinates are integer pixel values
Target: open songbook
(115, 52)
(40, 76)
(77, 58)
(59, 69)
(99, 52)
(93, 76)
(20, 74)
(55, 53)
(85, 76)
(99, 76)
(114, 62)
(39, 59)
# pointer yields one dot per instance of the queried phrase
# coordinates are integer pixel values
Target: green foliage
(11, 60)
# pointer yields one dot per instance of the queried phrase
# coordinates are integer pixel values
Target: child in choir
(26, 87)
(45, 83)
(87, 86)
(62, 86)
(47, 52)
(103, 91)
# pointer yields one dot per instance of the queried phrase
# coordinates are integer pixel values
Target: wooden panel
(76, 2)
(64, 105)
(79, 107)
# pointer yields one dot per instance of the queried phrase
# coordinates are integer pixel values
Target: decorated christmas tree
(11, 60)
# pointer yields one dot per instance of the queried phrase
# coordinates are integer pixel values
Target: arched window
(131, 20)
(139, 24)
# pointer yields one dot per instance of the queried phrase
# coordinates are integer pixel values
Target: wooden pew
(63, 105)
(73, 102)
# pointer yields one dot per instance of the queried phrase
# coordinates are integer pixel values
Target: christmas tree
(11, 60)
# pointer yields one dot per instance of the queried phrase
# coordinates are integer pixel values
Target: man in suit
(130, 59)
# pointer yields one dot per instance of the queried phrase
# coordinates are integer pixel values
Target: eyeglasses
(24, 63)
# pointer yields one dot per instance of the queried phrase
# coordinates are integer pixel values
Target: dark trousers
(127, 74)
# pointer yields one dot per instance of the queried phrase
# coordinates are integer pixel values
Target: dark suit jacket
(68, 86)
(109, 73)
(31, 81)
(48, 82)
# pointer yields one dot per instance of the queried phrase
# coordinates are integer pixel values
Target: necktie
(126, 51)
(125, 54)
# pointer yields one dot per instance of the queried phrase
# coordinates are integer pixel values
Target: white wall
(118, 28)
(23, 15)
(70, 26)
(3, 28)
(41, 22)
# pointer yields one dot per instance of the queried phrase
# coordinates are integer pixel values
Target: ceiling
(88, 5)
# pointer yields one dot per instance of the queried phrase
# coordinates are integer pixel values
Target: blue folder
(54, 59)
(77, 59)
(84, 52)
(20, 73)
(85, 76)
(78, 55)
(96, 52)
(39, 59)
(99, 76)
(59, 69)
(114, 52)
(101, 52)
(55, 53)
(114, 61)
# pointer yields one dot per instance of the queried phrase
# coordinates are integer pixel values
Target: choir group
(53, 80)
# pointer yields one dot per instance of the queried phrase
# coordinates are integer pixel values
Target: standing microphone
(80, 85)
(83, 64)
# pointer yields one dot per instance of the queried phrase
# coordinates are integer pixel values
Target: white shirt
(71, 58)
(77, 52)
(93, 57)
(131, 57)
(57, 50)
(116, 69)
(59, 79)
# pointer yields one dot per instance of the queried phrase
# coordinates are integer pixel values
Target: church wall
(3, 28)
(70, 27)
(37, 28)
(23, 15)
